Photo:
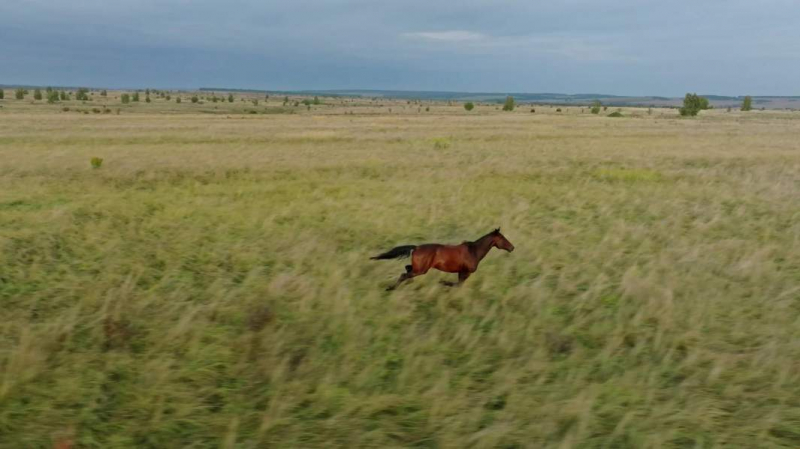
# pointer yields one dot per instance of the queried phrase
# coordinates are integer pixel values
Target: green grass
(210, 285)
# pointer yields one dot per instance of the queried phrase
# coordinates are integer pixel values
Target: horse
(462, 259)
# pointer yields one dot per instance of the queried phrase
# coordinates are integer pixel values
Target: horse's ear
(497, 231)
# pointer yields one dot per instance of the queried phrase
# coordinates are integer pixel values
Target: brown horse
(462, 259)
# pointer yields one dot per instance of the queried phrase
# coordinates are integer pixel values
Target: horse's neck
(482, 246)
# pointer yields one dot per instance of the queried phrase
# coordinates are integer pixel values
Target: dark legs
(462, 277)
(403, 277)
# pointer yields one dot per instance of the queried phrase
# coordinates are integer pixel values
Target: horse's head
(500, 241)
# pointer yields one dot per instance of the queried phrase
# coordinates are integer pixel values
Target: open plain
(209, 285)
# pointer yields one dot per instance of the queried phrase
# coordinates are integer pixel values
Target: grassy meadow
(209, 285)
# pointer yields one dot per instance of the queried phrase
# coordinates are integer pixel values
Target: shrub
(509, 104)
(316, 100)
(96, 111)
(693, 104)
(96, 162)
(135, 96)
(103, 93)
(177, 99)
(596, 105)
(747, 104)
(469, 106)
(65, 109)
(82, 94)
(52, 97)
(195, 99)
(167, 97)
(125, 98)
(37, 94)
(230, 98)
(533, 111)
(615, 114)
(63, 95)
(441, 143)
(255, 102)
(307, 102)
(2, 94)
(147, 98)
(558, 110)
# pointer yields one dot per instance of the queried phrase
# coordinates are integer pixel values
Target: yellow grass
(209, 285)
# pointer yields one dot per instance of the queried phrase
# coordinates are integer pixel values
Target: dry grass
(209, 286)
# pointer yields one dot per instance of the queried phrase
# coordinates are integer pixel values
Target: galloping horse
(462, 259)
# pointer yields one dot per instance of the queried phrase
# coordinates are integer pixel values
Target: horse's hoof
(448, 284)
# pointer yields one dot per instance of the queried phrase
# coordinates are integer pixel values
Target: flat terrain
(209, 286)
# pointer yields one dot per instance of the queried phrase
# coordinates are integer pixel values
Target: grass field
(209, 286)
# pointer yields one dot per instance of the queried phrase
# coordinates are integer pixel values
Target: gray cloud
(621, 47)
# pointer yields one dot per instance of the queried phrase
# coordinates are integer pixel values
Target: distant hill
(719, 101)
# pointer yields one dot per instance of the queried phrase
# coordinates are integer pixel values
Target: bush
(195, 99)
(316, 100)
(167, 97)
(125, 98)
(558, 110)
(103, 93)
(135, 96)
(255, 102)
(96, 110)
(441, 143)
(52, 97)
(177, 99)
(509, 104)
(615, 114)
(747, 104)
(65, 109)
(469, 106)
(63, 96)
(596, 105)
(230, 98)
(2, 94)
(37, 94)
(96, 162)
(147, 99)
(693, 104)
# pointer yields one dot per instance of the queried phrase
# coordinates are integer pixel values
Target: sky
(624, 47)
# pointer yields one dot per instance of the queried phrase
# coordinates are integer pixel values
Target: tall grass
(210, 286)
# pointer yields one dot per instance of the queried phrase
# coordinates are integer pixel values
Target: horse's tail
(396, 253)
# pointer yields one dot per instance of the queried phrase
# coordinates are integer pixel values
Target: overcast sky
(625, 47)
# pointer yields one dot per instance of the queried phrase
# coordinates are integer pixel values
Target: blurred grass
(209, 285)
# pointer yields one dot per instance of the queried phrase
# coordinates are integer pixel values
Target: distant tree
(266, 97)
(147, 92)
(316, 100)
(596, 105)
(285, 99)
(82, 94)
(747, 104)
(178, 99)
(125, 98)
(693, 104)
(195, 99)
(103, 93)
(37, 94)
(52, 97)
(48, 89)
(469, 106)
(147, 98)
(307, 102)
(63, 95)
(230, 98)
(509, 104)
(167, 97)
(2, 94)
(255, 102)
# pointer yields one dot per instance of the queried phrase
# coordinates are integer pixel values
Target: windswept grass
(214, 290)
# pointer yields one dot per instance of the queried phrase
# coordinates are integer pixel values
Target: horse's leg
(403, 277)
(462, 276)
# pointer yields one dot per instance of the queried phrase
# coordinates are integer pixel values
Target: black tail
(396, 253)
